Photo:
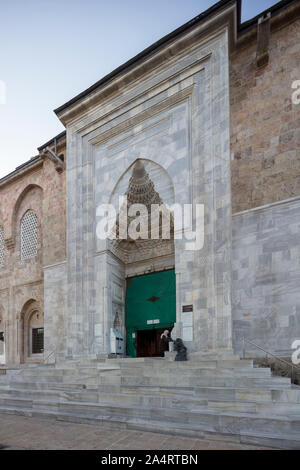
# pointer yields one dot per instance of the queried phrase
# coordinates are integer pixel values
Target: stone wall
(175, 115)
(55, 311)
(40, 188)
(265, 125)
(266, 277)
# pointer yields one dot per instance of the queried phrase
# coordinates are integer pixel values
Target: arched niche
(31, 327)
(159, 175)
(31, 198)
(144, 182)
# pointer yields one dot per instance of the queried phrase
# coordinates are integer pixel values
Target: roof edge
(57, 138)
(151, 49)
(33, 162)
(241, 28)
(274, 9)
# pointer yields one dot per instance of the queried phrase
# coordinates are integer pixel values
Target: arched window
(29, 236)
(2, 247)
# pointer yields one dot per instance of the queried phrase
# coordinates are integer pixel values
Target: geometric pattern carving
(2, 248)
(29, 236)
(141, 190)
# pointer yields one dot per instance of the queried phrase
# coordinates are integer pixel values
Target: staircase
(211, 396)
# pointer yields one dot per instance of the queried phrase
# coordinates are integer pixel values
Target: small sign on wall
(187, 308)
(187, 323)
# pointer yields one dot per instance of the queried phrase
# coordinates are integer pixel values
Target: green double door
(150, 308)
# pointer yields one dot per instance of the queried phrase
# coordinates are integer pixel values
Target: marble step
(291, 410)
(206, 419)
(62, 378)
(189, 403)
(225, 397)
(223, 378)
(199, 372)
(45, 385)
(171, 380)
(147, 372)
(129, 399)
(228, 424)
(4, 380)
(86, 371)
(137, 364)
(195, 415)
(274, 394)
(286, 395)
(55, 400)
(209, 381)
(80, 361)
(154, 372)
(135, 360)
(189, 397)
(204, 356)
(13, 373)
(58, 394)
(228, 364)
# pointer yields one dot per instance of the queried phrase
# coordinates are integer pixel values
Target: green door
(150, 303)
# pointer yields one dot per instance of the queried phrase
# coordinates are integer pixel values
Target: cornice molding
(199, 34)
(17, 174)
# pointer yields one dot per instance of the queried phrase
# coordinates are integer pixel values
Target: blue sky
(52, 50)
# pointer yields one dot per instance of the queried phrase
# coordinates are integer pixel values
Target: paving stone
(17, 432)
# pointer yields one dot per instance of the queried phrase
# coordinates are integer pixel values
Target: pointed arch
(149, 185)
(31, 319)
(17, 206)
(159, 175)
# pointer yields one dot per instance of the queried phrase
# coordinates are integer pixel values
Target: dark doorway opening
(148, 342)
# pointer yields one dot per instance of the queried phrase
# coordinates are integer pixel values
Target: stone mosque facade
(204, 116)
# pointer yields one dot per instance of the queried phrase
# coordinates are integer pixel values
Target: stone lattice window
(29, 236)
(2, 247)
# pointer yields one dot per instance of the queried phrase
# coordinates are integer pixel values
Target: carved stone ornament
(141, 190)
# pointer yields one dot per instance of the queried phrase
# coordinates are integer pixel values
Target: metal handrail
(270, 354)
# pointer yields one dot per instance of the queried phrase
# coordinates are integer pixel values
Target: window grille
(2, 247)
(37, 340)
(29, 236)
